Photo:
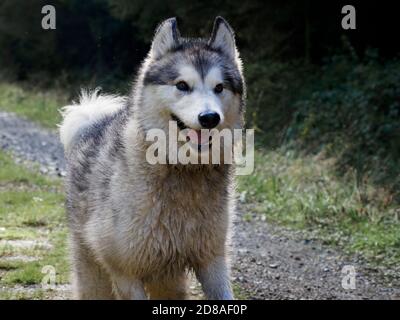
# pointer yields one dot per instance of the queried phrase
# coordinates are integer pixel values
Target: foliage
(273, 88)
(86, 38)
(305, 192)
(353, 112)
(102, 41)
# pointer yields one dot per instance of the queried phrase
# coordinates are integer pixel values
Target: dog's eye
(182, 86)
(218, 88)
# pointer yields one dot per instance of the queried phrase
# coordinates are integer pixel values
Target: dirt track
(268, 262)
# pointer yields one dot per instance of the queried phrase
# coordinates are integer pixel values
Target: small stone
(44, 170)
(62, 173)
(242, 197)
(273, 265)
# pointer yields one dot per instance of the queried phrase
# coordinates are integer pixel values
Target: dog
(138, 229)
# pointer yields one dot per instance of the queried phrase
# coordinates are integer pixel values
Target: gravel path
(269, 262)
(27, 141)
(275, 263)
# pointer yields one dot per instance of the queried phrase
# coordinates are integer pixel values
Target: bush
(273, 87)
(353, 112)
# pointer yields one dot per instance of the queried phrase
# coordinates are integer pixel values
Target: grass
(305, 192)
(38, 106)
(33, 231)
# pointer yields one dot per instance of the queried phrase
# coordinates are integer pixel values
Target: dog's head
(196, 82)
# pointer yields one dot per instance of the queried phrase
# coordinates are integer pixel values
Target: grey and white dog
(136, 228)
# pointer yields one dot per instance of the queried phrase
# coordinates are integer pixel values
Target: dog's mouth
(196, 137)
(181, 125)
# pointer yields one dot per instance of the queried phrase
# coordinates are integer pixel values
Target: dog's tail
(92, 106)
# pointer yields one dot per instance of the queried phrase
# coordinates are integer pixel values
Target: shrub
(353, 112)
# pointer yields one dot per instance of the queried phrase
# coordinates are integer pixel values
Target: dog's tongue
(195, 136)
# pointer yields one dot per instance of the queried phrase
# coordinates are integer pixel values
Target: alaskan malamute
(138, 228)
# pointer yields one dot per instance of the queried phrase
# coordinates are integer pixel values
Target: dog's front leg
(128, 289)
(214, 279)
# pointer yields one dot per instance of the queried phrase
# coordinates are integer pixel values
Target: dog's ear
(166, 37)
(222, 37)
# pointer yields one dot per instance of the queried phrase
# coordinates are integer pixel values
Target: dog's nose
(209, 119)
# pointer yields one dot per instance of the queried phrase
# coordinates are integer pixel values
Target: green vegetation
(348, 108)
(329, 146)
(38, 105)
(304, 191)
(352, 112)
(32, 232)
(239, 293)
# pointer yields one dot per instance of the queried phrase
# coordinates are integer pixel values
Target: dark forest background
(312, 86)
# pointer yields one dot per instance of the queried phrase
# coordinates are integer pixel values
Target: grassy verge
(32, 232)
(305, 192)
(38, 106)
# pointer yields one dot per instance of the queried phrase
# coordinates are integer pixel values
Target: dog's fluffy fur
(137, 228)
